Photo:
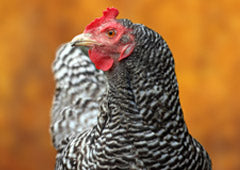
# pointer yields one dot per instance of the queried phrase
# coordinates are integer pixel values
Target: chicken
(79, 89)
(140, 123)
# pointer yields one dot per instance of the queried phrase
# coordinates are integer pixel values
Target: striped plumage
(79, 88)
(140, 123)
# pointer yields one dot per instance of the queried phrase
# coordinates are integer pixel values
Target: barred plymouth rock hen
(140, 124)
(79, 88)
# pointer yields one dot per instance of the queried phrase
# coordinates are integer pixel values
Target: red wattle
(101, 62)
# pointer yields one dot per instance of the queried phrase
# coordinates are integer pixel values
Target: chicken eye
(111, 33)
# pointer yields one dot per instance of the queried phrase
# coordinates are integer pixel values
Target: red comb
(110, 13)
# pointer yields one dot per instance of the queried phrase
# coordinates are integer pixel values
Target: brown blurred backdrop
(203, 36)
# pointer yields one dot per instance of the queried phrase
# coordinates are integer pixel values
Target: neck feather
(144, 88)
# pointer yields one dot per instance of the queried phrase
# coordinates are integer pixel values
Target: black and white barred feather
(141, 124)
(79, 88)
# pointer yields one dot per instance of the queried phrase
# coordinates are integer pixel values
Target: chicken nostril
(73, 44)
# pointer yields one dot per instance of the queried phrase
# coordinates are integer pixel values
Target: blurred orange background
(203, 36)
